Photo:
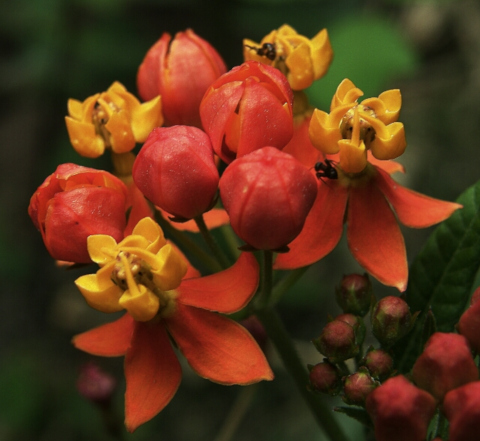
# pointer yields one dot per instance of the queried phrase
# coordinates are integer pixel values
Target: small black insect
(325, 170)
(265, 50)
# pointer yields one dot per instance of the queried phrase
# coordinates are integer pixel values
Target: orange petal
(218, 348)
(389, 166)
(227, 291)
(414, 209)
(214, 218)
(374, 237)
(110, 340)
(322, 230)
(152, 374)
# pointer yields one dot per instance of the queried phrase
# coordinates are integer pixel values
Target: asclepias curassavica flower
(145, 275)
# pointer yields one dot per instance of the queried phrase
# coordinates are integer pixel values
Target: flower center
(100, 117)
(353, 124)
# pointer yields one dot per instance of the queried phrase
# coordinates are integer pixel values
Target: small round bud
(445, 364)
(391, 320)
(379, 363)
(337, 341)
(255, 327)
(356, 323)
(400, 411)
(358, 386)
(95, 385)
(355, 294)
(462, 409)
(325, 377)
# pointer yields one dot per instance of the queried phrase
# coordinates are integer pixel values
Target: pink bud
(379, 363)
(337, 341)
(469, 324)
(325, 377)
(391, 320)
(445, 363)
(267, 195)
(358, 386)
(355, 294)
(95, 385)
(175, 169)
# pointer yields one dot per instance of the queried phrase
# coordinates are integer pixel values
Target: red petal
(152, 373)
(374, 236)
(110, 340)
(413, 209)
(389, 166)
(218, 348)
(322, 230)
(227, 291)
(214, 218)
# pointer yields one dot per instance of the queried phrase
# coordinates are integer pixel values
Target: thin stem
(237, 412)
(231, 240)
(187, 243)
(285, 284)
(211, 243)
(278, 334)
(266, 281)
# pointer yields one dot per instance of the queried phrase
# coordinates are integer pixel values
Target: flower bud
(248, 108)
(337, 341)
(400, 411)
(356, 323)
(325, 377)
(175, 169)
(391, 320)
(267, 195)
(355, 294)
(379, 363)
(462, 409)
(256, 329)
(469, 324)
(96, 385)
(358, 386)
(445, 364)
(180, 70)
(74, 203)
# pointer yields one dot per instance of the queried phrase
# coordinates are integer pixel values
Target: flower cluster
(240, 147)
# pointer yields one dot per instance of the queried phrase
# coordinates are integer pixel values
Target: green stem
(211, 243)
(285, 284)
(231, 240)
(184, 241)
(280, 338)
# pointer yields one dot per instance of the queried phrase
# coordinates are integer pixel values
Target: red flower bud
(96, 385)
(248, 108)
(358, 386)
(356, 323)
(268, 195)
(325, 377)
(175, 169)
(469, 324)
(391, 320)
(462, 409)
(337, 341)
(445, 364)
(73, 203)
(355, 294)
(180, 71)
(400, 411)
(379, 363)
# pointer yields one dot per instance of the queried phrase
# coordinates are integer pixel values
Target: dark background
(52, 50)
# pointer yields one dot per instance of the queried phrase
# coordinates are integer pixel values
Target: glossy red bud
(469, 324)
(175, 169)
(180, 70)
(75, 202)
(337, 341)
(325, 377)
(358, 386)
(267, 195)
(248, 108)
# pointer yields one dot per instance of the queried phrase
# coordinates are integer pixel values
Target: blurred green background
(52, 50)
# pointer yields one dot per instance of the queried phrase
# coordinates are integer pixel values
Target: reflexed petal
(216, 217)
(374, 237)
(152, 374)
(413, 209)
(389, 166)
(346, 94)
(84, 139)
(218, 348)
(110, 340)
(322, 53)
(227, 291)
(102, 248)
(322, 230)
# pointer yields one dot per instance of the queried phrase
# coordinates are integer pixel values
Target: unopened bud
(358, 386)
(255, 327)
(96, 385)
(355, 294)
(356, 323)
(337, 341)
(325, 377)
(379, 363)
(469, 324)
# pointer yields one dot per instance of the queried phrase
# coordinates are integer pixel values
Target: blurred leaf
(369, 51)
(357, 413)
(442, 275)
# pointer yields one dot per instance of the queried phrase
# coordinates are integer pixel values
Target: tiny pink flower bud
(355, 294)
(267, 195)
(358, 386)
(180, 70)
(462, 409)
(325, 377)
(95, 385)
(337, 341)
(75, 202)
(445, 364)
(379, 363)
(391, 320)
(356, 323)
(400, 411)
(175, 169)
(248, 108)
(469, 324)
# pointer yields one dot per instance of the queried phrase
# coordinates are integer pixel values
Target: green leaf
(442, 275)
(357, 413)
